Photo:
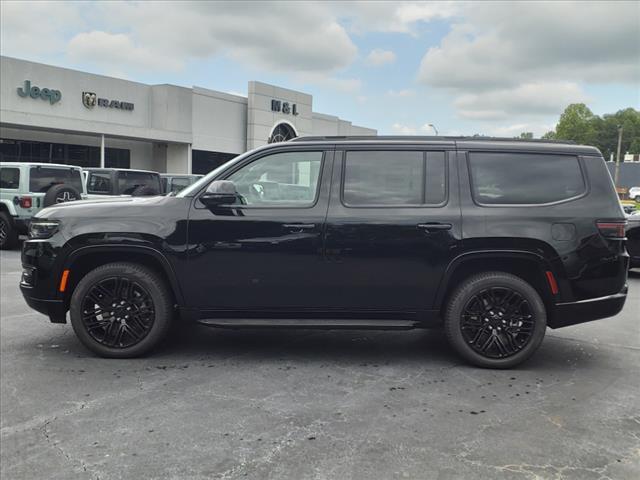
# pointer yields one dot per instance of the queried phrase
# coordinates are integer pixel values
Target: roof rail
(419, 138)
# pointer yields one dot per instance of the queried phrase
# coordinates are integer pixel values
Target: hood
(102, 206)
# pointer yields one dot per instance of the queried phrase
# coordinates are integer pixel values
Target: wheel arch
(85, 259)
(8, 207)
(527, 265)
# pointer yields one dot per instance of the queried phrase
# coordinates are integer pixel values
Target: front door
(394, 224)
(262, 254)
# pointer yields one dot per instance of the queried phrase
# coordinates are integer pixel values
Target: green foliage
(579, 124)
(526, 135)
(549, 135)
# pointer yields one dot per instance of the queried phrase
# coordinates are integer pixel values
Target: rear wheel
(495, 320)
(8, 234)
(121, 310)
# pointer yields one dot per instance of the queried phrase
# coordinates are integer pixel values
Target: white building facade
(57, 115)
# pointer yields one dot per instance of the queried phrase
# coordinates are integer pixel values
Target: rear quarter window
(10, 178)
(501, 178)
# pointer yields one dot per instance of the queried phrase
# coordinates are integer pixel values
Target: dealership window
(79, 155)
(202, 162)
(524, 178)
(394, 178)
(282, 133)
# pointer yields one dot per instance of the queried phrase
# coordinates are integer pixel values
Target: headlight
(39, 229)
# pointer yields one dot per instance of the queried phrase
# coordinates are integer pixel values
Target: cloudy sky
(496, 68)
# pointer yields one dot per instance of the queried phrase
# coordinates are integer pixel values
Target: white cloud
(24, 33)
(402, 129)
(118, 50)
(533, 98)
(517, 59)
(276, 36)
(393, 16)
(401, 93)
(378, 57)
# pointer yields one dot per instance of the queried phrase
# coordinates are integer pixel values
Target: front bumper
(572, 313)
(22, 224)
(54, 309)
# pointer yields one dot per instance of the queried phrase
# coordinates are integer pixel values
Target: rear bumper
(572, 313)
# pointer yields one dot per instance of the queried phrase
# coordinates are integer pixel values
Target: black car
(633, 239)
(492, 239)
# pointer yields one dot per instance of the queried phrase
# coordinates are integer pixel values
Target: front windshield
(187, 192)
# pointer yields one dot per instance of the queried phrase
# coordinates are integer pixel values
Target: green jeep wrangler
(26, 188)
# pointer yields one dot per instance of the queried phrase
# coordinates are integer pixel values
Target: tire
(8, 233)
(148, 301)
(144, 191)
(473, 321)
(61, 193)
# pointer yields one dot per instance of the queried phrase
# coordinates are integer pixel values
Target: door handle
(434, 227)
(299, 227)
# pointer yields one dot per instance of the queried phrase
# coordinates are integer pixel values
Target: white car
(634, 193)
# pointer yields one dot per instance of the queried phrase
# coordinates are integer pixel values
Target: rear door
(393, 225)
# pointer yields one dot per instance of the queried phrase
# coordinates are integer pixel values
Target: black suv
(493, 239)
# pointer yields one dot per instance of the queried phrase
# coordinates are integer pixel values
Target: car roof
(460, 142)
(96, 169)
(36, 164)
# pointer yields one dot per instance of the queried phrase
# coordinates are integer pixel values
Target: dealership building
(57, 115)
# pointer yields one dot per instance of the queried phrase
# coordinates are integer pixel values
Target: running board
(328, 324)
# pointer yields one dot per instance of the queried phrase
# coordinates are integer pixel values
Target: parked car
(634, 193)
(633, 238)
(627, 207)
(173, 183)
(106, 182)
(492, 239)
(26, 188)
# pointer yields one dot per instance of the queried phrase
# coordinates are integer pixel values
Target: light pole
(617, 174)
(434, 128)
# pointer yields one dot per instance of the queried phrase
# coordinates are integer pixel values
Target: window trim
(472, 186)
(267, 153)
(424, 180)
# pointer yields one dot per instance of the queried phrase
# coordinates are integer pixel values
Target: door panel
(391, 257)
(262, 255)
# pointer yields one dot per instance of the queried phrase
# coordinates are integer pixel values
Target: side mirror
(219, 193)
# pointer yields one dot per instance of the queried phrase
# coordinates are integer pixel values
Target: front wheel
(8, 234)
(495, 320)
(121, 310)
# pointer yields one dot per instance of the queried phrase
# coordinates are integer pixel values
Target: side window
(394, 178)
(9, 178)
(281, 179)
(99, 182)
(524, 178)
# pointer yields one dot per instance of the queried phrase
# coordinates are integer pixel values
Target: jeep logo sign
(284, 107)
(28, 90)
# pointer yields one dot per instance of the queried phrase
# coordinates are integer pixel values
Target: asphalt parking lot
(310, 404)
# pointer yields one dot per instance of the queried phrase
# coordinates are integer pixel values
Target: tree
(634, 148)
(577, 123)
(549, 135)
(526, 135)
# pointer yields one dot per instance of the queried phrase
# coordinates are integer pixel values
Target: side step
(320, 323)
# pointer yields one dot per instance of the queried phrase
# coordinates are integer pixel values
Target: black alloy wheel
(121, 310)
(118, 312)
(8, 234)
(495, 320)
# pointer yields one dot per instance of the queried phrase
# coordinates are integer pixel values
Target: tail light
(26, 202)
(610, 229)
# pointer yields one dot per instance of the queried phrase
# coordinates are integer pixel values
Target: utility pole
(617, 174)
